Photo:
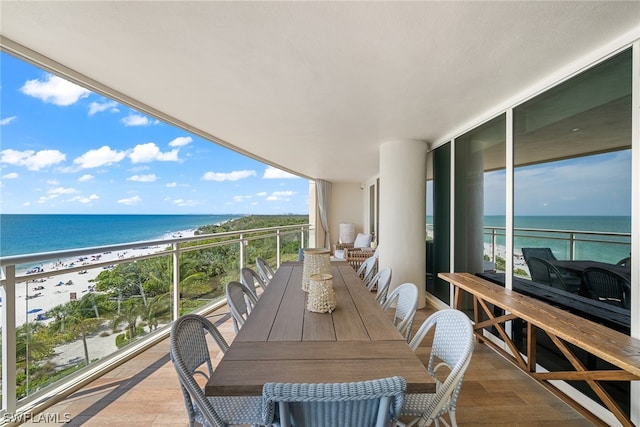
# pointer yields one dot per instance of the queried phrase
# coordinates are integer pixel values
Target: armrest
(340, 246)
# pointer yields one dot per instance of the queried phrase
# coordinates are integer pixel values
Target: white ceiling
(316, 87)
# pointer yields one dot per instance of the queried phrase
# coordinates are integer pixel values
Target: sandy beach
(44, 294)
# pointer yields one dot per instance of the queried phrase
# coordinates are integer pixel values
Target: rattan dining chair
(251, 279)
(264, 270)
(241, 301)
(405, 298)
(189, 352)
(355, 404)
(452, 348)
(607, 286)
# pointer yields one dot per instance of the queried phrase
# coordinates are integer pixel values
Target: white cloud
(103, 156)
(55, 90)
(241, 198)
(143, 178)
(172, 185)
(261, 194)
(130, 201)
(281, 196)
(7, 120)
(182, 202)
(228, 176)
(85, 200)
(85, 178)
(97, 107)
(138, 120)
(32, 160)
(11, 175)
(273, 173)
(143, 153)
(53, 182)
(181, 141)
(61, 190)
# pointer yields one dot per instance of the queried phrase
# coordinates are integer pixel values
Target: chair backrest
(405, 297)
(366, 270)
(250, 279)
(189, 353)
(544, 272)
(383, 280)
(544, 253)
(241, 301)
(357, 404)
(624, 262)
(607, 286)
(452, 347)
(264, 270)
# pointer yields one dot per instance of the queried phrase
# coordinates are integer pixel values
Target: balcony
(144, 389)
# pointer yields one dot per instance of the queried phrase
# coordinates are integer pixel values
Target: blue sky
(64, 149)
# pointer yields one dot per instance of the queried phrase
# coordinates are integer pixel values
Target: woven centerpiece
(316, 261)
(322, 297)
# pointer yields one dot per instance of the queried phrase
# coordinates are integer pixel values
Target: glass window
(572, 201)
(480, 189)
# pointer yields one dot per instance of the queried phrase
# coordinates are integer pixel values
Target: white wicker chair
(356, 404)
(452, 346)
(189, 353)
(405, 297)
(382, 279)
(264, 270)
(250, 279)
(241, 301)
(367, 269)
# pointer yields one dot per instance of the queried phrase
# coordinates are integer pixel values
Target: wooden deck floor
(144, 392)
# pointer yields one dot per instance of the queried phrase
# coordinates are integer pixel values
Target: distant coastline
(35, 233)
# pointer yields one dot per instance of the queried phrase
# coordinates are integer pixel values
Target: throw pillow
(362, 241)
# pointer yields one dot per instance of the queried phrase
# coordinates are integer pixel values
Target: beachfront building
(460, 112)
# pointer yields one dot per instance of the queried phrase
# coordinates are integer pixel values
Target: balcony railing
(608, 247)
(157, 281)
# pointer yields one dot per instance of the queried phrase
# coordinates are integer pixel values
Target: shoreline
(46, 293)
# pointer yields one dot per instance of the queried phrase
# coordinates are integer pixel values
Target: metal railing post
(572, 246)
(9, 376)
(278, 247)
(176, 281)
(493, 244)
(241, 261)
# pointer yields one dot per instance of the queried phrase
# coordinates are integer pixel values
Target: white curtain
(323, 190)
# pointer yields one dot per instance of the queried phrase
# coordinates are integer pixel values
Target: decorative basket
(316, 261)
(322, 297)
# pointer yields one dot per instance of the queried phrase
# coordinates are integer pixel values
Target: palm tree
(82, 317)
(129, 313)
(157, 309)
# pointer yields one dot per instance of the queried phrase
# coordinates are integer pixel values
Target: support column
(403, 213)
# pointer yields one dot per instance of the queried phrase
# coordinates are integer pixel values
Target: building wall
(347, 205)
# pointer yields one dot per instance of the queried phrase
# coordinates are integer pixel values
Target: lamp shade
(347, 233)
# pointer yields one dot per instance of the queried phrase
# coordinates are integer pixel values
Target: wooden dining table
(282, 341)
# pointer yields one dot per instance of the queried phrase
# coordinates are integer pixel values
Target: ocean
(613, 250)
(28, 234)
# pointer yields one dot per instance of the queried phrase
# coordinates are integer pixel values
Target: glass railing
(79, 312)
(606, 247)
